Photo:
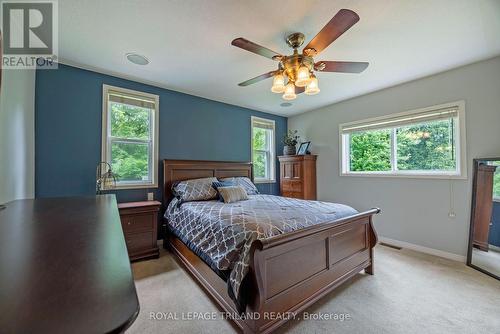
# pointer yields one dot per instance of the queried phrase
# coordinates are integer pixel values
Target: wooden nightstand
(140, 226)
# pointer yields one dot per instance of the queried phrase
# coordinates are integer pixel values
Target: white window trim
(272, 167)
(106, 130)
(460, 148)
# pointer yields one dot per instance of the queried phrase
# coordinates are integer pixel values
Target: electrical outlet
(451, 214)
(151, 196)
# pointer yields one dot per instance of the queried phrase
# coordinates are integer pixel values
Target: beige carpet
(410, 293)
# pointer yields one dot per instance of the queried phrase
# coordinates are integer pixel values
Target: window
(130, 136)
(496, 181)
(263, 150)
(427, 142)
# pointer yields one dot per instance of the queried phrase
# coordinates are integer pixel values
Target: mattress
(222, 234)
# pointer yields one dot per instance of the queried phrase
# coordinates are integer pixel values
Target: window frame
(107, 140)
(461, 160)
(271, 152)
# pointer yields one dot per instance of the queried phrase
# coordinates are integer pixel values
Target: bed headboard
(180, 170)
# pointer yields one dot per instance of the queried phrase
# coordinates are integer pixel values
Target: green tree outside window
(130, 149)
(426, 146)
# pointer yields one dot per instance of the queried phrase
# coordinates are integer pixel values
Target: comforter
(222, 234)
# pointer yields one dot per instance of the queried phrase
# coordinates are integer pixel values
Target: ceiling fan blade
(340, 66)
(299, 90)
(257, 79)
(256, 48)
(338, 25)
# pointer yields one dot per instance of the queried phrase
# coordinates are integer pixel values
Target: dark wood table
(64, 267)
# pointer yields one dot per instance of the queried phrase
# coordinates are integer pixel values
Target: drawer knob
(128, 223)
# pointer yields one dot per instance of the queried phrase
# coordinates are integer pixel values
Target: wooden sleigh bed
(288, 272)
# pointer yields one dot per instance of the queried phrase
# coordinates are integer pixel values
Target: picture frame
(303, 148)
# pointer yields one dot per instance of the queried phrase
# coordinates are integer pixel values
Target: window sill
(408, 176)
(133, 186)
(263, 181)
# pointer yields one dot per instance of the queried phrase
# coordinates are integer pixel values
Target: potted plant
(290, 140)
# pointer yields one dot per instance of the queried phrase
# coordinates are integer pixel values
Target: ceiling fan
(299, 68)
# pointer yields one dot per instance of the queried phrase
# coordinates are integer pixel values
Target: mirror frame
(472, 211)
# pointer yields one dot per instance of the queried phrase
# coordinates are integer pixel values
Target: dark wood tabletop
(64, 267)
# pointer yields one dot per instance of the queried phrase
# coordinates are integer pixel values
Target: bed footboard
(292, 271)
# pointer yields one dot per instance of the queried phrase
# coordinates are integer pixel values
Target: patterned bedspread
(223, 233)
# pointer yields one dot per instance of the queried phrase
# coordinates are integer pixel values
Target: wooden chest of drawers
(483, 206)
(298, 176)
(140, 225)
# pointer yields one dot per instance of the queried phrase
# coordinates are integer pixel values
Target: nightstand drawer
(139, 241)
(138, 223)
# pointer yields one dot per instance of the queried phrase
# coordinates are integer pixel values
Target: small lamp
(105, 179)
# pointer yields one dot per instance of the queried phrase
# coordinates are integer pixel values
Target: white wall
(413, 210)
(17, 135)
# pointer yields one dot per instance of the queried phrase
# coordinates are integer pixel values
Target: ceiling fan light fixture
(290, 92)
(312, 87)
(302, 77)
(298, 68)
(278, 83)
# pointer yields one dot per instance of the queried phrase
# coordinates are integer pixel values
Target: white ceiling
(189, 43)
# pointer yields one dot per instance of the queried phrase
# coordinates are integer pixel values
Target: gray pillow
(195, 189)
(244, 182)
(232, 194)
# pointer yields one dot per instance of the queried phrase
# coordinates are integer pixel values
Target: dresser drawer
(138, 222)
(139, 241)
(292, 194)
(295, 186)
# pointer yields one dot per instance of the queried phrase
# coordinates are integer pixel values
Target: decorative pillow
(219, 184)
(244, 182)
(233, 194)
(195, 190)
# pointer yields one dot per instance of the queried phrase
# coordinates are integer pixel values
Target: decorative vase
(289, 150)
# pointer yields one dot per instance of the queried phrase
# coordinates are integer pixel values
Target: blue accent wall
(68, 117)
(494, 236)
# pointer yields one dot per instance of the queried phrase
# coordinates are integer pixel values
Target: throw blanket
(222, 234)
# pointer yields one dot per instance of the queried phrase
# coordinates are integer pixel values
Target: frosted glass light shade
(302, 77)
(312, 87)
(289, 92)
(278, 83)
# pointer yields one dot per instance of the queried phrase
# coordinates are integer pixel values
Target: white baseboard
(423, 249)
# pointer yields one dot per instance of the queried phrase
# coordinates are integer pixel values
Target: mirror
(484, 240)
